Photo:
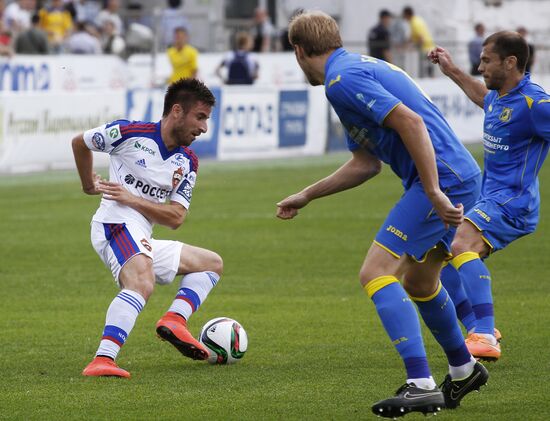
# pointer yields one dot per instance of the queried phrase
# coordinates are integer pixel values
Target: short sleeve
(541, 118)
(104, 138)
(363, 94)
(183, 192)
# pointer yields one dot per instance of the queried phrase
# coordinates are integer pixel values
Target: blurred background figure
(17, 15)
(33, 40)
(531, 60)
(263, 31)
(57, 22)
(379, 37)
(241, 65)
(85, 10)
(83, 40)
(421, 38)
(172, 17)
(111, 11)
(474, 48)
(111, 42)
(183, 57)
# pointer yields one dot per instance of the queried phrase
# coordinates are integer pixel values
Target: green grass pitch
(317, 350)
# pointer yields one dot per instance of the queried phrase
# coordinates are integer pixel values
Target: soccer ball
(225, 339)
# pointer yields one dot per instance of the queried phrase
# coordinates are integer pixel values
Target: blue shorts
(412, 226)
(497, 225)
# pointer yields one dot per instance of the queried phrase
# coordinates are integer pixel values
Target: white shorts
(117, 243)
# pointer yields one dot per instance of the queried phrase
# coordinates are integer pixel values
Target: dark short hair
(187, 92)
(408, 11)
(507, 44)
(385, 14)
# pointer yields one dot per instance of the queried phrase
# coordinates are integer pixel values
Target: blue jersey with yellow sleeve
(515, 139)
(364, 90)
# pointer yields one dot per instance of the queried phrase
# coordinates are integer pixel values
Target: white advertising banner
(37, 128)
(62, 73)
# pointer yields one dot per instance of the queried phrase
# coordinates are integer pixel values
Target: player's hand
(450, 214)
(288, 208)
(442, 57)
(94, 187)
(115, 191)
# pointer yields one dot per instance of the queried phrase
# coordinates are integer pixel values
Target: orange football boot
(498, 335)
(104, 366)
(173, 328)
(481, 348)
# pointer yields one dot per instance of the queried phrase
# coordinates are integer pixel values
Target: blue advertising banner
(293, 109)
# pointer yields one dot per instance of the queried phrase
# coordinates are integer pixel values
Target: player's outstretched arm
(472, 87)
(361, 167)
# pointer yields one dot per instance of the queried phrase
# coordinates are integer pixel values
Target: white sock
(423, 382)
(462, 371)
(119, 322)
(194, 289)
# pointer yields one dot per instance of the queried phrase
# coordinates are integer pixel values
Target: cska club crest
(505, 115)
(177, 177)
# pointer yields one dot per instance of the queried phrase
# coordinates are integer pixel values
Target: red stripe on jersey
(193, 157)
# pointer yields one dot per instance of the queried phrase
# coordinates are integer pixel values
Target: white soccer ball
(225, 339)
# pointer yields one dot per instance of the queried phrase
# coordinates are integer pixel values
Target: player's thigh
(469, 238)
(381, 262)
(422, 278)
(197, 259)
(117, 245)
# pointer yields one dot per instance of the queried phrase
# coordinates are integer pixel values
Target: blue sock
(400, 320)
(477, 283)
(450, 278)
(439, 314)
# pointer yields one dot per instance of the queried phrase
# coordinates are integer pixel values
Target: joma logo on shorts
(397, 232)
(483, 214)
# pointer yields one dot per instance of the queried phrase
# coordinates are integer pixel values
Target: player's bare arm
(414, 135)
(361, 167)
(472, 87)
(84, 163)
(170, 215)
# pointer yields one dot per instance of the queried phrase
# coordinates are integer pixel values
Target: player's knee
(459, 246)
(215, 264)
(365, 276)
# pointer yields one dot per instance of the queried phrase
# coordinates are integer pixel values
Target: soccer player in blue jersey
(388, 118)
(151, 178)
(516, 132)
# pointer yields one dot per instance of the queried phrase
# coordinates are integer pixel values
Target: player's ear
(510, 62)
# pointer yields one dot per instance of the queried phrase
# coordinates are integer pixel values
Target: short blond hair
(315, 31)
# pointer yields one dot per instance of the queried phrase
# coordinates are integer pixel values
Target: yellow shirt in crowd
(184, 62)
(420, 34)
(57, 23)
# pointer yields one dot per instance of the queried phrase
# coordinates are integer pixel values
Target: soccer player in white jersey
(151, 178)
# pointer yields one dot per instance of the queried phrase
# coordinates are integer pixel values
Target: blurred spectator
(57, 22)
(112, 42)
(17, 15)
(285, 43)
(241, 65)
(33, 40)
(263, 31)
(183, 57)
(111, 11)
(421, 37)
(5, 41)
(531, 60)
(399, 35)
(85, 10)
(82, 41)
(474, 48)
(379, 40)
(171, 18)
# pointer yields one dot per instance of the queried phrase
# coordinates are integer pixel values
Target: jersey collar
(335, 54)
